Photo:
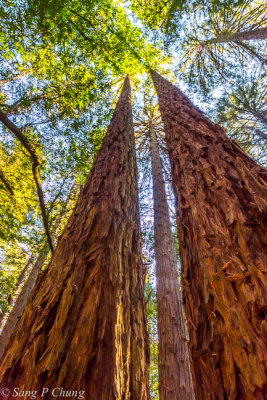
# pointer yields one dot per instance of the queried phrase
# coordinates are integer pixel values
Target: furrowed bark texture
(84, 325)
(175, 380)
(221, 201)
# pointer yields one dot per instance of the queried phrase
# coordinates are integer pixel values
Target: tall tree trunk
(175, 380)
(221, 202)
(84, 325)
(252, 34)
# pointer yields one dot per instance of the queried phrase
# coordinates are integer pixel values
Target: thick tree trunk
(221, 202)
(175, 380)
(253, 34)
(84, 325)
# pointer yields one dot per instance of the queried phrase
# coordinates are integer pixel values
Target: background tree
(242, 111)
(209, 60)
(58, 86)
(175, 380)
(173, 366)
(221, 202)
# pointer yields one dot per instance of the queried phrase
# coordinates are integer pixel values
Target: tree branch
(36, 162)
(15, 77)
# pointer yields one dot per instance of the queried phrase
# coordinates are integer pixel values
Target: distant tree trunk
(252, 34)
(221, 202)
(12, 298)
(21, 279)
(22, 293)
(84, 325)
(175, 380)
(21, 299)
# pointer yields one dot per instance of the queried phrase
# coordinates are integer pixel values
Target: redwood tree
(84, 325)
(221, 205)
(175, 380)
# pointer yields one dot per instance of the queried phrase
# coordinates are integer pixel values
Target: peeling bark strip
(175, 380)
(221, 198)
(84, 325)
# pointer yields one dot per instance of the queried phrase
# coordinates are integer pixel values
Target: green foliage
(242, 111)
(153, 13)
(205, 60)
(89, 33)
(229, 74)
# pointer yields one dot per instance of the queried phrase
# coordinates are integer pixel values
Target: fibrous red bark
(175, 379)
(221, 204)
(84, 325)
